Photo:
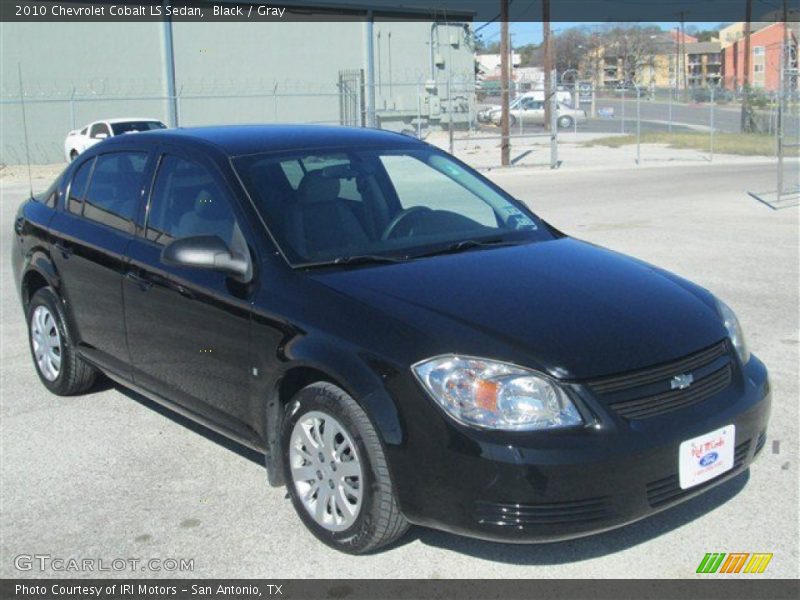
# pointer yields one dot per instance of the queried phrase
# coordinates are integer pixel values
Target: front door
(189, 329)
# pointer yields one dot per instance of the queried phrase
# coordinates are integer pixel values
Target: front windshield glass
(135, 126)
(332, 206)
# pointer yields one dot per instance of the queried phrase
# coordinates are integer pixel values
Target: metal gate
(787, 133)
(351, 98)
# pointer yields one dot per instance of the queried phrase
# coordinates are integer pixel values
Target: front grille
(647, 392)
(667, 490)
(578, 511)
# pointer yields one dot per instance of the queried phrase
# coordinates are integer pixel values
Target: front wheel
(336, 471)
(565, 122)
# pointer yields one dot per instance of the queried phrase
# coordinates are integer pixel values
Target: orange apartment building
(765, 57)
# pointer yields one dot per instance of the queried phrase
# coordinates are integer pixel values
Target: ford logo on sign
(709, 459)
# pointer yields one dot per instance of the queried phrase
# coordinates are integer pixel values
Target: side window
(77, 188)
(419, 184)
(115, 187)
(98, 128)
(84, 130)
(186, 201)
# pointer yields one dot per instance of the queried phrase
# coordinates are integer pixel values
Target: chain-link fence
(585, 124)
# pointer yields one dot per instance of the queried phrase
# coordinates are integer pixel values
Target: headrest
(316, 188)
(206, 206)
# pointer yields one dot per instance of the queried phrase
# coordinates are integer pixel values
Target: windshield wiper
(468, 245)
(356, 259)
(367, 258)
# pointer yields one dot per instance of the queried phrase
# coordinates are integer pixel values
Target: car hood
(567, 307)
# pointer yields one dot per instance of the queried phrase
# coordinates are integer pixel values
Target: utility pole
(505, 148)
(745, 125)
(683, 53)
(548, 61)
(677, 60)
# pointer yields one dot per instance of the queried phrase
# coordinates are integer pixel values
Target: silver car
(531, 111)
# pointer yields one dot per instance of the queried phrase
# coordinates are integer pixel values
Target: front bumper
(550, 486)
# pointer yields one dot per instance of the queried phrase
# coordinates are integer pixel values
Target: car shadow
(177, 418)
(591, 546)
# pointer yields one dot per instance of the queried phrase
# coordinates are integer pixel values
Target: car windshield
(133, 126)
(383, 204)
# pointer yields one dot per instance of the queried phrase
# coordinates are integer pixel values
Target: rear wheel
(336, 472)
(73, 154)
(59, 367)
(565, 122)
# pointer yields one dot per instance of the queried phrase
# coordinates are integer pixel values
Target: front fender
(357, 372)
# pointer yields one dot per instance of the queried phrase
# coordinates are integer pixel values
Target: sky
(526, 33)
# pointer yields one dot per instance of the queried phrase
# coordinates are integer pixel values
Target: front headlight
(496, 395)
(735, 332)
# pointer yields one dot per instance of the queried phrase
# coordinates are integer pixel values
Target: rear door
(89, 237)
(189, 329)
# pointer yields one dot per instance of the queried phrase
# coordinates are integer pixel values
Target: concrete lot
(108, 475)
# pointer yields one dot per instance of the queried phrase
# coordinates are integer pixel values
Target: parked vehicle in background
(488, 114)
(78, 140)
(721, 95)
(531, 111)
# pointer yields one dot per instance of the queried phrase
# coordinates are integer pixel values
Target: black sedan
(404, 341)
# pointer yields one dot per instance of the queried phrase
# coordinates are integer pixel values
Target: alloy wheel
(326, 470)
(46, 342)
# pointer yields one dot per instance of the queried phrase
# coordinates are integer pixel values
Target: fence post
(711, 134)
(553, 121)
(450, 110)
(669, 111)
(72, 108)
(419, 110)
(638, 123)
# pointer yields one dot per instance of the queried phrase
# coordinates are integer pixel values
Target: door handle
(66, 251)
(143, 283)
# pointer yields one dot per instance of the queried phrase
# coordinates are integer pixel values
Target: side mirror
(100, 136)
(208, 252)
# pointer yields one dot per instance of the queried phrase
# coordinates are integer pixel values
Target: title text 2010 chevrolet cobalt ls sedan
(404, 341)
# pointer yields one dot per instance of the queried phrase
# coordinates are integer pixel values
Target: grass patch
(747, 144)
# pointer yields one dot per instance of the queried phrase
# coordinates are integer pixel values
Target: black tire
(565, 122)
(73, 155)
(379, 521)
(75, 375)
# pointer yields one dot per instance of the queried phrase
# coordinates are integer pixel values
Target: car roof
(239, 140)
(125, 120)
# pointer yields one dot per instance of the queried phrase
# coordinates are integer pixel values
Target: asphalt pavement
(110, 475)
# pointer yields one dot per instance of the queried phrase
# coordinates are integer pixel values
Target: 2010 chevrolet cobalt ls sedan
(403, 340)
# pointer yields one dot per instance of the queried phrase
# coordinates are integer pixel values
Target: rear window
(134, 126)
(114, 190)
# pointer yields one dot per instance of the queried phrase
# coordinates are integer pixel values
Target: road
(110, 475)
(656, 116)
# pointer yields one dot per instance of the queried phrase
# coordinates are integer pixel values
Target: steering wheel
(398, 218)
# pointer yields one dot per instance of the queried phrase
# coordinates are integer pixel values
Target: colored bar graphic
(734, 562)
(713, 562)
(758, 563)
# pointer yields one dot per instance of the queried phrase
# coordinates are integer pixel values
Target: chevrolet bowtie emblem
(681, 382)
